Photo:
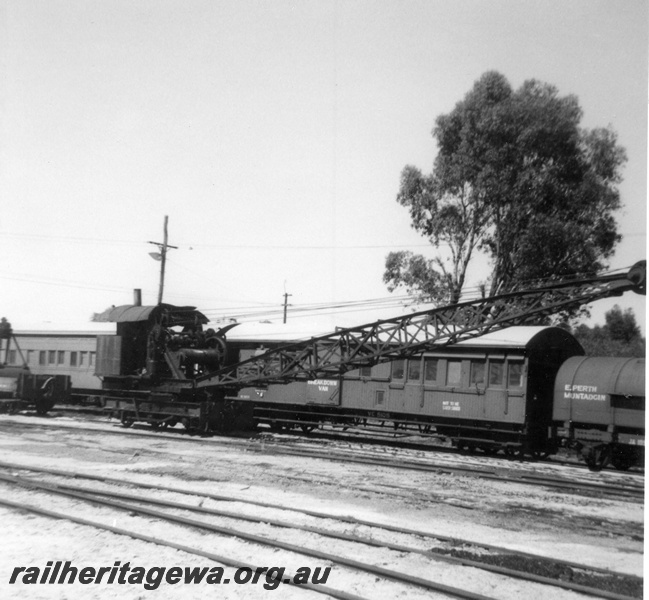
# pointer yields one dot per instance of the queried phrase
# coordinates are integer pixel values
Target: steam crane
(162, 367)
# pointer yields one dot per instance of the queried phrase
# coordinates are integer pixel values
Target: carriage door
(397, 385)
(542, 370)
(414, 390)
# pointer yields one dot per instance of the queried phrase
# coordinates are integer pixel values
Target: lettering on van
(323, 384)
(453, 405)
(582, 392)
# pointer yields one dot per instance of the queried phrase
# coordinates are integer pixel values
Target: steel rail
(224, 560)
(318, 514)
(470, 471)
(394, 438)
(431, 554)
(264, 541)
(635, 492)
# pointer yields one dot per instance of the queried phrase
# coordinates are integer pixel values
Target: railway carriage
(69, 354)
(493, 392)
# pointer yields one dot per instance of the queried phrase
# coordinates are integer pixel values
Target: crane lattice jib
(389, 339)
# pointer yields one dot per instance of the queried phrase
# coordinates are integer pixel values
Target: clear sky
(272, 133)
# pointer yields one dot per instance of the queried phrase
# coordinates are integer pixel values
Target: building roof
(277, 332)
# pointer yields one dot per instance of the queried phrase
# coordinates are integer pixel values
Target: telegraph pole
(162, 257)
(286, 304)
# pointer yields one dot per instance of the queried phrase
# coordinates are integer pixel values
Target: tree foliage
(517, 179)
(620, 336)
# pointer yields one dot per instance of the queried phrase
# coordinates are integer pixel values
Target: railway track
(427, 487)
(609, 485)
(135, 497)
(386, 437)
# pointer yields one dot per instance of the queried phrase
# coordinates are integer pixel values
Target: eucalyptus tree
(516, 179)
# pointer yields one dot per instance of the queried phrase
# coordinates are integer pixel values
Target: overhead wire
(194, 245)
(251, 309)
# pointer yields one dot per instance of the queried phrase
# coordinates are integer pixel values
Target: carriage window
(496, 373)
(379, 396)
(515, 374)
(41, 357)
(453, 372)
(477, 372)
(60, 359)
(398, 369)
(414, 370)
(73, 359)
(430, 369)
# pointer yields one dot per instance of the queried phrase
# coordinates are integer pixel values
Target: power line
(193, 245)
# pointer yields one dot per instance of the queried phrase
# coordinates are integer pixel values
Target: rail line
(384, 435)
(94, 498)
(408, 493)
(499, 474)
(115, 498)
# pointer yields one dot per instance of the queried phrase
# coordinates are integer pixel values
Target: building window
(30, 356)
(414, 369)
(363, 371)
(12, 357)
(515, 374)
(60, 359)
(477, 372)
(42, 357)
(73, 359)
(92, 358)
(430, 369)
(398, 369)
(51, 357)
(496, 372)
(83, 359)
(454, 372)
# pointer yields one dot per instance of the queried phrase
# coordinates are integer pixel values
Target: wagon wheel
(514, 452)
(127, 420)
(598, 457)
(622, 459)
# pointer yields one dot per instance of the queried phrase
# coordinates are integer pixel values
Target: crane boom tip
(638, 276)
